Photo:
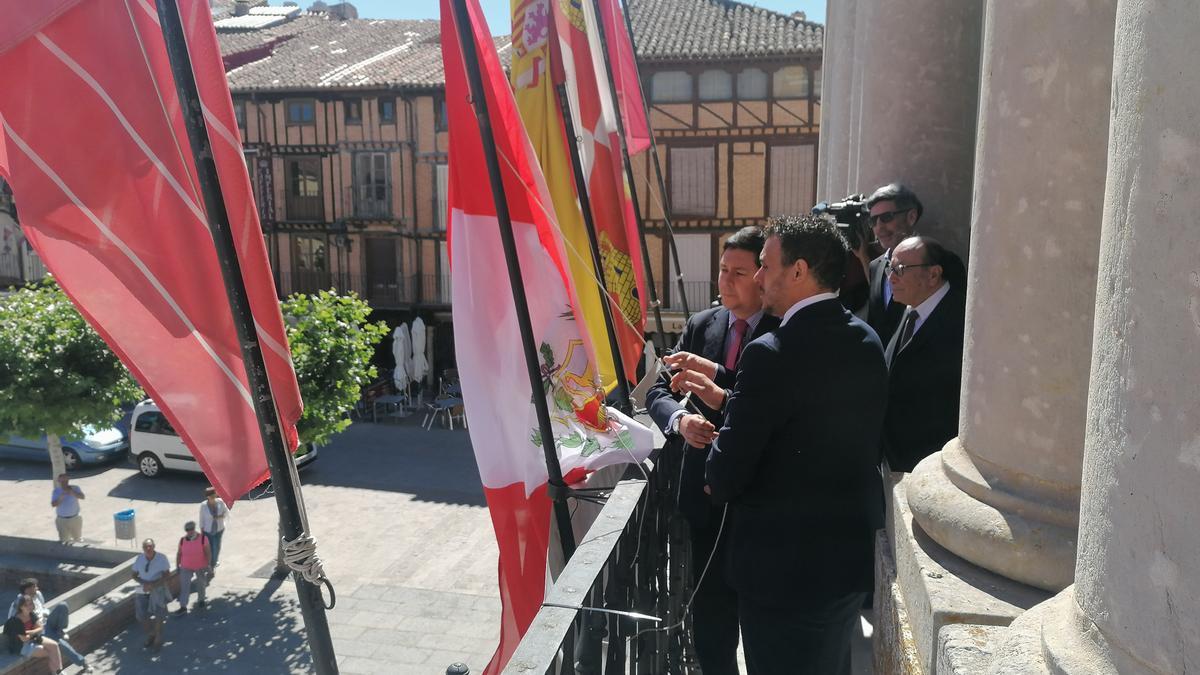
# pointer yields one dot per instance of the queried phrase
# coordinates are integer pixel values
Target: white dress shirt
(810, 300)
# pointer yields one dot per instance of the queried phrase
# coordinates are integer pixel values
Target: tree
(56, 375)
(332, 343)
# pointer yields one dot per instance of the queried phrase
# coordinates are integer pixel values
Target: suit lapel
(931, 326)
(714, 336)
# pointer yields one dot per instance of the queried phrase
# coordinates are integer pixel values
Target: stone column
(1005, 493)
(1134, 606)
(860, 45)
(836, 68)
(920, 89)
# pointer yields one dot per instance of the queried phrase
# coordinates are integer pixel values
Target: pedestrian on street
(193, 562)
(213, 517)
(151, 570)
(65, 500)
(54, 620)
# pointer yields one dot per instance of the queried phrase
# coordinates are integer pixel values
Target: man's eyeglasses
(886, 217)
(898, 269)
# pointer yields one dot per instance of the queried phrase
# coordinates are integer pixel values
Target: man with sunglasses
(894, 212)
(925, 354)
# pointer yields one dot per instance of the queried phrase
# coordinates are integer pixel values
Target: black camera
(850, 216)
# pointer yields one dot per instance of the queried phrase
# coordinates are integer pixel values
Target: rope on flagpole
(300, 555)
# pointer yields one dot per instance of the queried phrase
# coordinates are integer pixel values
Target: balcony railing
(633, 562)
(400, 291)
(700, 294)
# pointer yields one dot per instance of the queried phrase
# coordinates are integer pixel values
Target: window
(239, 113)
(372, 187)
(752, 84)
(716, 85)
(441, 118)
(791, 82)
(353, 110)
(693, 181)
(791, 179)
(309, 271)
(387, 110)
(443, 182)
(153, 422)
(304, 201)
(671, 86)
(695, 259)
(816, 84)
(301, 112)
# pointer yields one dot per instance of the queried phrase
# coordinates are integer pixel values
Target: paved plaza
(402, 527)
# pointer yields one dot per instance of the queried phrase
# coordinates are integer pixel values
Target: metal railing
(630, 568)
(699, 294)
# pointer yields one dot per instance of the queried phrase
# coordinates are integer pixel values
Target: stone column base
(929, 588)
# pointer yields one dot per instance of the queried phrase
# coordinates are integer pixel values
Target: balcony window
(372, 185)
(310, 271)
(353, 110)
(304, 199)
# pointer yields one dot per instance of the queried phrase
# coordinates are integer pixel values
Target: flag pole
(668, 216)
(558, 493)
(293, 519)
(589, 222)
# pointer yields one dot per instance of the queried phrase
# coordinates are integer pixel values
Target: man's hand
(697, 431)
(701, 385)
(686, 361)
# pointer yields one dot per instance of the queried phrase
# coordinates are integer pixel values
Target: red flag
(496, 390)
(625, 77)
(101, 170)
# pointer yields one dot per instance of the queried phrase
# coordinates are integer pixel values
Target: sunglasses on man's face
(885, 217)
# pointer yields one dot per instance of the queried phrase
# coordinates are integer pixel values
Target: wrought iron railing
(618, 605)
(699, 294)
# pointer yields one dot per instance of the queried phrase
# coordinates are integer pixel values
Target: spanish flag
(537, 101)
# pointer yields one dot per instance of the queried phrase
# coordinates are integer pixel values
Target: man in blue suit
(797, 459)
(712, 343)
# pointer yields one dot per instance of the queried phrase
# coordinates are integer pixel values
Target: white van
(154, 445)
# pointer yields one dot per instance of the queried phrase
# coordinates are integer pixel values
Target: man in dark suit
(797, 459)
(712, 342)
(894, 212)
(925, 354)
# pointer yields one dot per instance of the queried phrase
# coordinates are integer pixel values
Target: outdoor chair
(444, 407)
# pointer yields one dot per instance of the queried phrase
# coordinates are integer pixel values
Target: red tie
(736, 336)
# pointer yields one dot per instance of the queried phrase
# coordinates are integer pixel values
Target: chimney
(241, 7)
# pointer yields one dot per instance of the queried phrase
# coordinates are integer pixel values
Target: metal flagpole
(589, 222)
(558, 492)
(292, 516)
(668, 216)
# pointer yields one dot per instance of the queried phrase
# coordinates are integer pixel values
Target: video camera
(850, 216)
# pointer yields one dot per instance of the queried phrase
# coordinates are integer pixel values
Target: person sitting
(24, 634)
(54, 620)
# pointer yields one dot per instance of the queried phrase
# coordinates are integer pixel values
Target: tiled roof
(315, 51)
(716, 29)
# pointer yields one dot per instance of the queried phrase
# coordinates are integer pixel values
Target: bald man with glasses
(894, 212)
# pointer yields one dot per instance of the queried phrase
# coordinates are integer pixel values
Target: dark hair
(898, 193)
(210, 491)
(749, 238)
(27, 583)
(23, 601)
(953, 269)
(814, 240)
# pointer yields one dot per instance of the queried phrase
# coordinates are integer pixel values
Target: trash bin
(125, 524)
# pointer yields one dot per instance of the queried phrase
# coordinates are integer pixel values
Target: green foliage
(56, 374)
(332, 343)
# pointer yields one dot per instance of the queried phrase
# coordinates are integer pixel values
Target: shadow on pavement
(434, 466)
(169, 487)
(240, 632)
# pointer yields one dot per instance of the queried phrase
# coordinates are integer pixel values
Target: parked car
(154, 445)
(96, 447)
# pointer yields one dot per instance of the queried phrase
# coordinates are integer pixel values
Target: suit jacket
(704, 334)
(924, 386)
(884, 319)
(797, 459)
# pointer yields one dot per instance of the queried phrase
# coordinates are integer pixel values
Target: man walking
(213, 517)
(797, 460)
(65, 500)
(193, 561)
(150, 602)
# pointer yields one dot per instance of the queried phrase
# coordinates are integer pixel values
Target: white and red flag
(93, 143)
(625, 77)
(495, 382)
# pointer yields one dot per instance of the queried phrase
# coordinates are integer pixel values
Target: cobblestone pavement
(402, 527)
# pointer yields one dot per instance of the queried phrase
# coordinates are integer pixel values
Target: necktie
(907, 328)
(736, 336)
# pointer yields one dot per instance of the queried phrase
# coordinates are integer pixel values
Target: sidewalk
(401, 526)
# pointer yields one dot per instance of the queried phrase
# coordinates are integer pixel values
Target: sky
(497, 10)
